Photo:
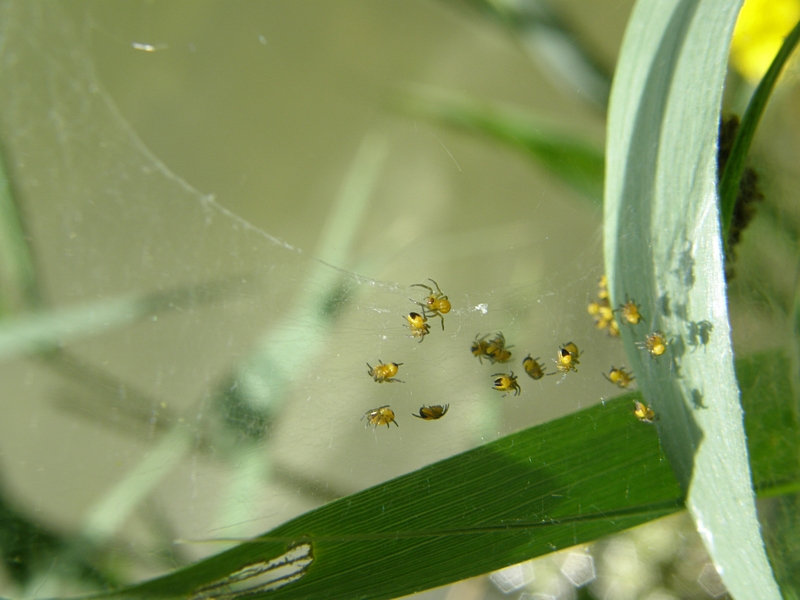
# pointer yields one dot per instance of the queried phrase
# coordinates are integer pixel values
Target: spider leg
(420, 304)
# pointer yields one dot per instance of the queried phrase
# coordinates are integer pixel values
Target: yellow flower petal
(759, 33)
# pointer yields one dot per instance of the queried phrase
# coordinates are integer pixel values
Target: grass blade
(552, 486)
(663, 248)
(773, 441)
(432, 527)
(734, 168)
(773, 435)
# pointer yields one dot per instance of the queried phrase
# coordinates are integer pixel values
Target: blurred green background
(157, 150)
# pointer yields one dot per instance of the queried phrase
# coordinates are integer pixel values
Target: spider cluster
(601, 310)
(494, 349)
(630, 313)
(654, 343)
(435, 304)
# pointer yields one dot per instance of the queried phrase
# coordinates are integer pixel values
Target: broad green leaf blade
(576, 162)
(373, 519)
(552, 486)
(663, 249)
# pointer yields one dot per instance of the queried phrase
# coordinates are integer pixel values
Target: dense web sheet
(233, 402)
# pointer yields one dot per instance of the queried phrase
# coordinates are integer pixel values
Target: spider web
(234, 402)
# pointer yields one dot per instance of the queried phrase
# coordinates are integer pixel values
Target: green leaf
(576, 162)
(549, 487)
(773, 440)
(734, 168)
(773, 435)
(781, 532)
(575, 479)
(663, 248)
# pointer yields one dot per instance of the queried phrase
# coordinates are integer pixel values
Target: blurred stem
(574, 161)
(16, 261)
(794, 356)
(116, 506)
(554, 45)
(734, 168)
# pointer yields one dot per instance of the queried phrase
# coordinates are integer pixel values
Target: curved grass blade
(663, 248)
(565, 482)
(734, 167)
